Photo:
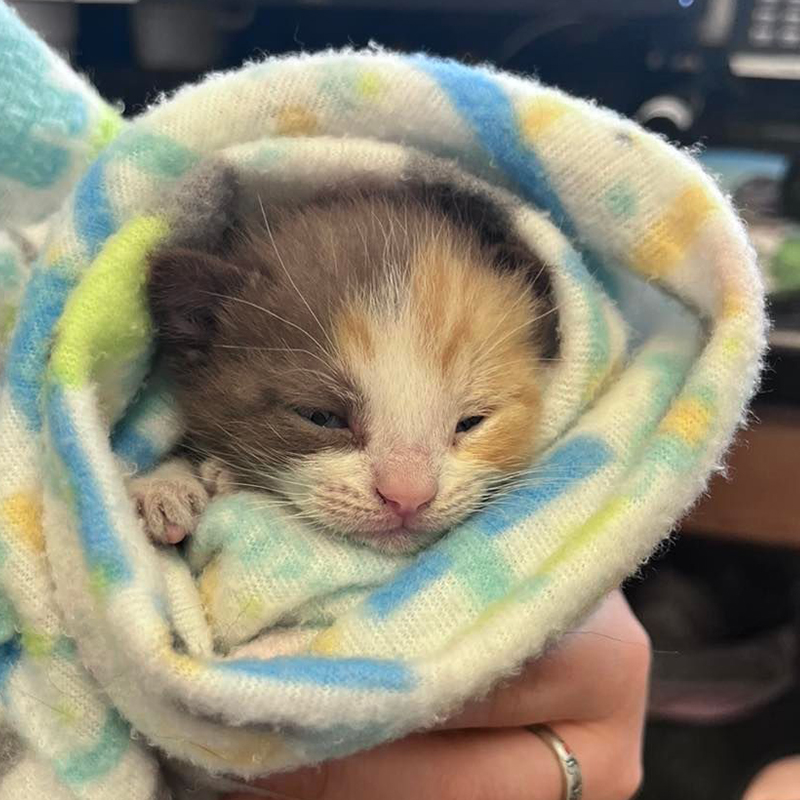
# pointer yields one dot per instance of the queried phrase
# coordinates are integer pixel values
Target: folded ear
(185, 290)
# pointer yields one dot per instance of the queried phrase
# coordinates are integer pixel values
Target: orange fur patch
(480, 329)
(353, 334)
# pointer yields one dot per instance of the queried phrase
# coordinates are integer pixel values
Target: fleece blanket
(268, 645)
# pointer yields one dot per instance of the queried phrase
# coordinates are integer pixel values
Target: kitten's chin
(400, 540)
(395, 541)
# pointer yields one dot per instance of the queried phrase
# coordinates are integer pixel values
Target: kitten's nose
(405, 495)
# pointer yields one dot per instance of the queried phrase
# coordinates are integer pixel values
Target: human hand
(591, 690)
(779, 780)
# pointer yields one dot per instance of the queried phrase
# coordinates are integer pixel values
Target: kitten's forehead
(448, 349)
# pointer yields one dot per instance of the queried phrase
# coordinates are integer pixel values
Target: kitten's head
(375, 361)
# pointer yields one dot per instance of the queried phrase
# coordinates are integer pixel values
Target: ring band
(570, 768)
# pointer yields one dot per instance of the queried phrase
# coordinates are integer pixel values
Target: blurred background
(722, 602)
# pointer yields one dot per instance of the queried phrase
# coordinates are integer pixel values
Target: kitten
(374, 359)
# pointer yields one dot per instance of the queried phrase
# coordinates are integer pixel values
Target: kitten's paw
(216, 477)
(169, 503)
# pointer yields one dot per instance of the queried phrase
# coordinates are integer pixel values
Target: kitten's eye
(324, 419)
(468, 423)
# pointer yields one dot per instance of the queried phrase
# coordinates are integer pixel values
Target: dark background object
(708, 601)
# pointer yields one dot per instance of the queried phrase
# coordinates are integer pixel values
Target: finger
(454, 765)
(777, 781)
(586, 677)
(505, 764)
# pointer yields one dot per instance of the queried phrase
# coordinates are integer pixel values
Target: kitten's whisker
(521, 299)
(547, 313)
(245, 446)
(256, 348)
(268, 312)
(282, 482)
(288, 274)
(528, 322)
(330, 379)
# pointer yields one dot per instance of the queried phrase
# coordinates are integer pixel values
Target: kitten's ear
(186, 290)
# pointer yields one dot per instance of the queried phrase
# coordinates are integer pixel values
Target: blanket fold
(266, 644)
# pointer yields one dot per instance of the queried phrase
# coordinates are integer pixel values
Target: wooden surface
(759, 501)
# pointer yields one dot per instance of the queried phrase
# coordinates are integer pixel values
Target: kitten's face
(384, 389)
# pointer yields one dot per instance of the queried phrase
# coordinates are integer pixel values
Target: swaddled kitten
(374, 359)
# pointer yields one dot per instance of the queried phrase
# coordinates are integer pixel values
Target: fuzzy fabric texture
(118, 656)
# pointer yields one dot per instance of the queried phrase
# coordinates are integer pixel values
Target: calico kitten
(374, 359)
